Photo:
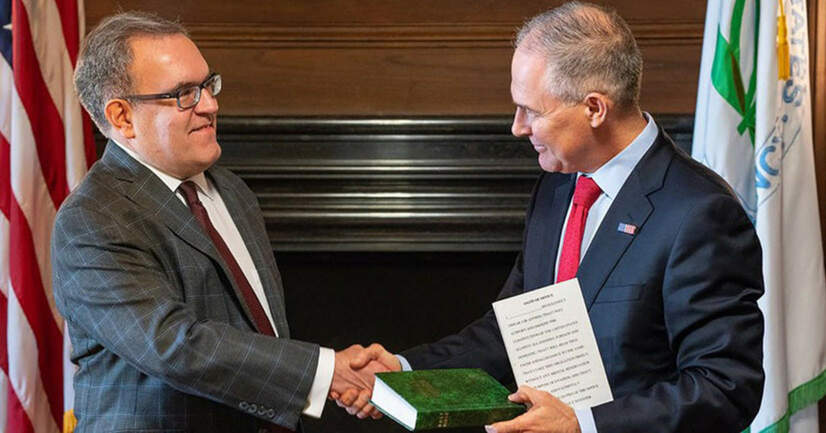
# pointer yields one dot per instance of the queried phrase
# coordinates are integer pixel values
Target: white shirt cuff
(405, 365)
(321, 383)
(585, 418)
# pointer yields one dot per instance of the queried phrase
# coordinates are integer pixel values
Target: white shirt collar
(612, 175)
(171, 181)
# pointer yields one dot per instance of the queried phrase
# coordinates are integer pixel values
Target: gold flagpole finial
(783, 66)
(69, 421)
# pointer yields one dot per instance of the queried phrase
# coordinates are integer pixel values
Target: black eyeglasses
(187, 97)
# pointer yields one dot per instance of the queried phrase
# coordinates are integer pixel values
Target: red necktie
(197, 208)
(585, 194)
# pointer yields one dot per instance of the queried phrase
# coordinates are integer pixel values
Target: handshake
(354, 375)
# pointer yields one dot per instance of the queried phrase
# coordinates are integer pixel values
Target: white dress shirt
(222, 220)
(610, 178)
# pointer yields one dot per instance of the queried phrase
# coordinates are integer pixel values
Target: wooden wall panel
(345, 57)
(366, 81)
(390, 184)
(394, 12)
(817, 68)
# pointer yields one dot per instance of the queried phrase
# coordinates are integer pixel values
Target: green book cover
(431, 399)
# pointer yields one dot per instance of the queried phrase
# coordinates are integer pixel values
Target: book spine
(465, 417)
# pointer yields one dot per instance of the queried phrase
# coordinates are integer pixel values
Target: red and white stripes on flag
(45, 149)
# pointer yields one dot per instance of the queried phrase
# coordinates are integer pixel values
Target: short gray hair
(102, 71)
(589, 48)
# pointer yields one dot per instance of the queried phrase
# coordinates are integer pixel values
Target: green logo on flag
(726, 76)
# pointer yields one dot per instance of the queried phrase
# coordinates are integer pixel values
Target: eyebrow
(185, 84)
(525, 107)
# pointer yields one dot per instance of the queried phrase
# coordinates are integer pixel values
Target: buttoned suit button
(262, 411)
(244, 405)
(271, 413)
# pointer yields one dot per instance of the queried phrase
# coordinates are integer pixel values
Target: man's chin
(207, 161)
(211, 161)
(551, 165)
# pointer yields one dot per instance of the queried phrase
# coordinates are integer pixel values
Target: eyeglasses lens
(189, 97)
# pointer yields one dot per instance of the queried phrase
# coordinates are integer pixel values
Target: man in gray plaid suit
(162, 266)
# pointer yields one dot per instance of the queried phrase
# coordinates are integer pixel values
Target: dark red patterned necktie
(585, 194)
(190, 193)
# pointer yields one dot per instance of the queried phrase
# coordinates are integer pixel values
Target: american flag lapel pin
(629, 229)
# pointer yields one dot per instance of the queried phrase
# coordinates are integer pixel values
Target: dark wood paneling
(364, 81)
(339, 57)
(384, 184)
(406, 81)
(325, 12)
(246, 35)
(390, 184)
(817, 68)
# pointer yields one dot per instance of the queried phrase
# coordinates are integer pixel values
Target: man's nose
(207, 103)
(520, 128)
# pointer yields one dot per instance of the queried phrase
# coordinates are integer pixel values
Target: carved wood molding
(390, 184)
(238, 35)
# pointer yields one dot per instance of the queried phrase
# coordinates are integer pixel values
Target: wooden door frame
(817, 69)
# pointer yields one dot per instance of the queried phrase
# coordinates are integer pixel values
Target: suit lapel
(631, 206)
(255, 246)
(141, 186)
(144, 188)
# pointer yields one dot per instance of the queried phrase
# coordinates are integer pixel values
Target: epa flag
(753, 126)
(45, 149)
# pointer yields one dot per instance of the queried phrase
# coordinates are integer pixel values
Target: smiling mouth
(201, 128)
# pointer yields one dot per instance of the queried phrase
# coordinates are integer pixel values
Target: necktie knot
(190, 192)
(586, 192)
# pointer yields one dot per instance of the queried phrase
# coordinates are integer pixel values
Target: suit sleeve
(711, 284)
(110, 285)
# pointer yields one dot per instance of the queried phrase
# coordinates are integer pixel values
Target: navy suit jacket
(673, 306)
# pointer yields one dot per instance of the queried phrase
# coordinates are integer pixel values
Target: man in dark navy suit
(668, 262)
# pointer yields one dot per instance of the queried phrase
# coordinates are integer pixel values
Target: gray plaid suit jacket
(162, 342)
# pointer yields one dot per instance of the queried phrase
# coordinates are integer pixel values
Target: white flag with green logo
(753, 126)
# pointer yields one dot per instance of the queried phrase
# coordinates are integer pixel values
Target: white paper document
(551, 344)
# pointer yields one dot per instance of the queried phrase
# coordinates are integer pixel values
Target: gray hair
(102, 71)
(589, 48)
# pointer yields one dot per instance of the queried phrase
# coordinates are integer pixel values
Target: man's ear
(597, 106)
(119, 114)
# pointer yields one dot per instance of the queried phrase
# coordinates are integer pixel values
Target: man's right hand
(363, 362)
(346, 377)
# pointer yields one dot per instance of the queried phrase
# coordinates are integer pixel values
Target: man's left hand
(546, 414)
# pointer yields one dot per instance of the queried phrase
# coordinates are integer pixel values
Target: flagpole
(817, 49)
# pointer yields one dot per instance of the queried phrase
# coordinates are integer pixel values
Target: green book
(431, 399)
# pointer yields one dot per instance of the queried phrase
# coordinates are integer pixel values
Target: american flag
(45, 149)
(628, 229)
